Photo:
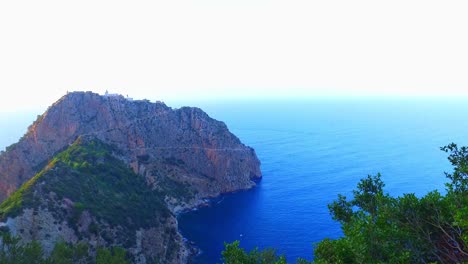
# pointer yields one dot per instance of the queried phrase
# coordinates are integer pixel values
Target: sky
(240, 49)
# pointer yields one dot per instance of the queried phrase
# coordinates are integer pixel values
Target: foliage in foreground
(13, 252)
(379, 228)
(235, 255)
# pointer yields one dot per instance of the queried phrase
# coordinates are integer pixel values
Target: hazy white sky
(195, 49)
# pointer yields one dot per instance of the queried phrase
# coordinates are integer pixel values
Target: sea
(311, 150)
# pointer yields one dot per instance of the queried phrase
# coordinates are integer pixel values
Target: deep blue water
(313, 150)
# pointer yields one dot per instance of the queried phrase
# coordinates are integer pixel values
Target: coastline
(192, 250)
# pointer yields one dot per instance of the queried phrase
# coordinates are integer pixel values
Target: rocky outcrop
(203, 153)
(183, 155)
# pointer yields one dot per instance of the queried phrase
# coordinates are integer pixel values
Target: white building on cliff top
(107, 94)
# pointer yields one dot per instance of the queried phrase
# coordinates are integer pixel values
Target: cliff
(183, 155)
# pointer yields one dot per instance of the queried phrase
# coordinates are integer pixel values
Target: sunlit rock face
(199, 152)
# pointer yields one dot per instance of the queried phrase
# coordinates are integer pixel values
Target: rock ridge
(141, 129)
(182, 154)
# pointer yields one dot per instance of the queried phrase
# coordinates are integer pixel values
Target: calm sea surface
(310, 152)
(313, 150)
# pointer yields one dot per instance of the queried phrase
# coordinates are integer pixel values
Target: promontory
(111, 171)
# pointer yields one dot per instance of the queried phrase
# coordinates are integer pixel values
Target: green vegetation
(175, 189)
(12, 252)
(88, 176)
(12, 206)
(379, 228)
(94, 180)
(115, 256)
(167, 185)
(235, 255)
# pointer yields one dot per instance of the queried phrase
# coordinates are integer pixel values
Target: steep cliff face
(182, 156)
(184, 146)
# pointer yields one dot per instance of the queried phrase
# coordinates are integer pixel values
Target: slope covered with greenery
(89, 177)
(379, 228)
(92, 178)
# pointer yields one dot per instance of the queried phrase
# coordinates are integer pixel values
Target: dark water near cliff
(310, 152)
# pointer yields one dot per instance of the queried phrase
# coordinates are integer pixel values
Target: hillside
(86, 194)
(111, 171)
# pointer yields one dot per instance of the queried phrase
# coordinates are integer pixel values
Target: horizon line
(343, 97)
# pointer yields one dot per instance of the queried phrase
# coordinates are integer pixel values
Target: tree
(62, 254)
(233, 254)
(459, 178)
(116, 255)
(33, 253)
(379, 228)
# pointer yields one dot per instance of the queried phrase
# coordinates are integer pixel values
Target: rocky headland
(163, 161)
